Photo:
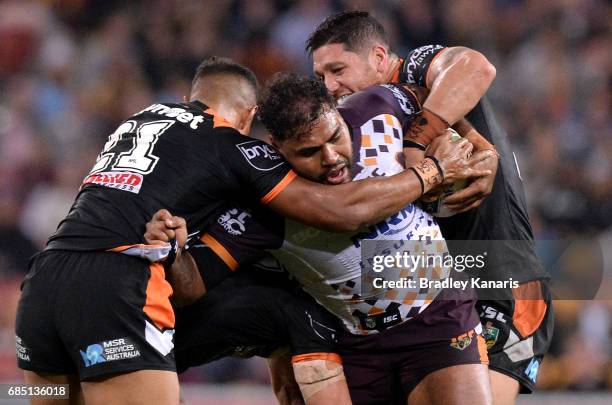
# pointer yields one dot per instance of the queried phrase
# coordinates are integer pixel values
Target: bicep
(305, 201)
(442, 61)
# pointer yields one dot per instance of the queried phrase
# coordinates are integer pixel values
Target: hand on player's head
(163, 227)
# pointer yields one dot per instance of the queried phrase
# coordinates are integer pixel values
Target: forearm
(466, 130)
(458, 82)
(350, 206)
(186, 281)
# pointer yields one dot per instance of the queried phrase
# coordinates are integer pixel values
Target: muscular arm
(457, 79)
(350, 206)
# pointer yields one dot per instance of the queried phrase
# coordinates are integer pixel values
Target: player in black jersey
(102, 321)
(350, 52)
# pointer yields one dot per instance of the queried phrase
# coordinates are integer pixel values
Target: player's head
(306, 128)
(350, 52)
(229, 88)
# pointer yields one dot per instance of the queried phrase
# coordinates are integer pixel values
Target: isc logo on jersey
(260, 156)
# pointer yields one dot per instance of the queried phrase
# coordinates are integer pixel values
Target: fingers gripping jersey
(503, 214)
(329, 265)
(181, 157)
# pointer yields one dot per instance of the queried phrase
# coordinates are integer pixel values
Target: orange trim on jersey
(120, 249)
(482, 349)
(317, 356)
(431, 63)
(375, 311)
(157, 306)
(279, 187)
(529, 307)
(220, 251)
(218, 121)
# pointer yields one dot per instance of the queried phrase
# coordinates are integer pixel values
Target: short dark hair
(220, 65)
(291, 104)
(353, 29)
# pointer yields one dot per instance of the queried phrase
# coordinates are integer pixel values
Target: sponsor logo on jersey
(491, 333)
(416, 58)
(404, 103)
(259, 155)
(179, 114)
(233, 221)
(532, 370)
(23, 352)
(109, 350)
(461, 342)
(120, 180)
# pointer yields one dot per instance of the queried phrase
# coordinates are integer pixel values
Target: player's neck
(393, 67)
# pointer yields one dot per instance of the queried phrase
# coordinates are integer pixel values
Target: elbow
(483, 70)
(346, 220)
(357, 218)
(489, 71)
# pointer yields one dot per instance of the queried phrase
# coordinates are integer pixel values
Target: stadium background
(71, 70)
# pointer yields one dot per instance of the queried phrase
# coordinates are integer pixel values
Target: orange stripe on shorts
(529, 307)
(157, 306)
(482, 350)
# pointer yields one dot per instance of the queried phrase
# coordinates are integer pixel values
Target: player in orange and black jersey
(102, 321)
(350, 52)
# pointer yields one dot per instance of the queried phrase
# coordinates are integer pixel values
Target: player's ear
(380, 56)
(246, 120)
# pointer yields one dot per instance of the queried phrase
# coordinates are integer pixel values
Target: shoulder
(380, 99)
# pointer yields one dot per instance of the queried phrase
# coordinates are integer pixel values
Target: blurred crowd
(71, 70)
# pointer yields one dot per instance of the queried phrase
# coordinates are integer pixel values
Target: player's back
(173, 156)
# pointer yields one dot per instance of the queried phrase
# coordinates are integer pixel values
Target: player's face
(324, 154)
(345, 72)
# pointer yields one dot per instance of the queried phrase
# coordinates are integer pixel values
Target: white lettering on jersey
(259, 155)
(180, 114)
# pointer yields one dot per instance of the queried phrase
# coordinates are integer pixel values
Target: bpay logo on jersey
(260, 156)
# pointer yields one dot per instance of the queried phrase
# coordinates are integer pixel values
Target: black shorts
(254, 312)
(385, 367)
(518, 332)
(94, 314)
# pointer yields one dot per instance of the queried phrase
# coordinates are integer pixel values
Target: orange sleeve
(289, 177)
